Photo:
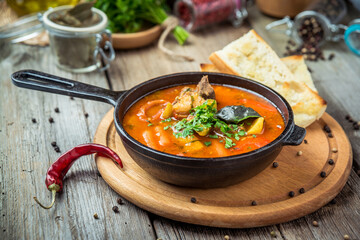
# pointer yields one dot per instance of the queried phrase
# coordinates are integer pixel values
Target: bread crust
(208, 67)
(251, 57)
(221, 65)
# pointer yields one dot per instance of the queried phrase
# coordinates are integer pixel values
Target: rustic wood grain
(150, 63)
(26, 153)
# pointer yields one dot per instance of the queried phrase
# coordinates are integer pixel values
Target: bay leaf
(236, 113)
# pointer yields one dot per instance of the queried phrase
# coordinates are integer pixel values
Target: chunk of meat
(184, 102)
(204, 89)
(190, 98)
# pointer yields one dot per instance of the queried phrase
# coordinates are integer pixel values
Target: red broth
(154, 133)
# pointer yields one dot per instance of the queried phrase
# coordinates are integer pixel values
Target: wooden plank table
(26, 151)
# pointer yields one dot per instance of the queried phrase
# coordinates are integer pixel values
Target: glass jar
(78, 49)
(24, 28)
(333, 10)
(197, 14)
(317, 24)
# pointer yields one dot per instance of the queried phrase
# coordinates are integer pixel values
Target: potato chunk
(257, 126)
(204, 132)
(167, 111)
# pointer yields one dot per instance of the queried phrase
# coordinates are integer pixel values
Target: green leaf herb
(236, 113)
(204, 116)
(213, 136)
(229, 143)
(167, 127)
(128, 16)
(207, 143)
(150, 123)
(166, 120)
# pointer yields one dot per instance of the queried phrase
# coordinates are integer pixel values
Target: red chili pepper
(58, 170)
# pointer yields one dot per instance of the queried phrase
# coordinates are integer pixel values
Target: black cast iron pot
(182, 171)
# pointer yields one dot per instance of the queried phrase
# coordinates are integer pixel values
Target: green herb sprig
(204, 116)
(128, 16)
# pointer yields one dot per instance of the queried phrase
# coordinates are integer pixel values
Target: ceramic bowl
(136, 40)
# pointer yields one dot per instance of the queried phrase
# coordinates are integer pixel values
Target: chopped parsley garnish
(213, 136)
(242, 133)
(203, 117)
(229, 143)
(166, 120)
(167, 127)
(150, 124)
(254, 136)
(229, 135)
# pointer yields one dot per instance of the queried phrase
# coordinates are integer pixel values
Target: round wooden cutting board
(259, 201)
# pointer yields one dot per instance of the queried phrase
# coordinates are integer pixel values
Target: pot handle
(296, 137)
(54, 84)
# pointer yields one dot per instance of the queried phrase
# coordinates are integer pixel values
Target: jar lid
(352, 36)
(50, 25)
(24, 28)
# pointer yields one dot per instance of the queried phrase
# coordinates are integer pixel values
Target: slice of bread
(295, 64)
(251, 57)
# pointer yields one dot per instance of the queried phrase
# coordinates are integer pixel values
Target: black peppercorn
(72, 98)
(57, 110)
(115, 209)
(51, 120)
(275, 164)
(253, 203)
(86, 115)
(323, 174)
(120, 201)
(330, 135)
(57, 149)
(331, 162)
(33, 120)
(53, 144)
(291, 194)
(305, 141)
(327, 129)
(193, 200)
(301, 190)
